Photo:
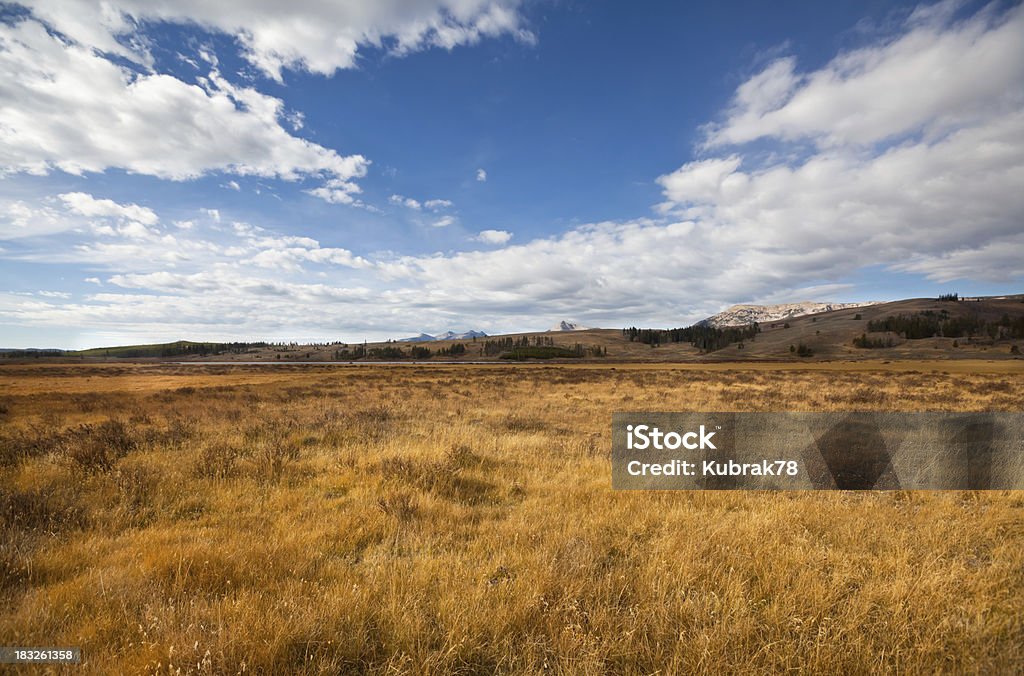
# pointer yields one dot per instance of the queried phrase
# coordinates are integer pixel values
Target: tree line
(705, 337)
(931, 324)
(552, 351)
(394, 352)
(498, 346)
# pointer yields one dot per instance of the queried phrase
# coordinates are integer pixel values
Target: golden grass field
(459, 519)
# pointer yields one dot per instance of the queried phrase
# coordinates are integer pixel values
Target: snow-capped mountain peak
(422, 338)
(568, 326)
(447, 335)
(467, 335)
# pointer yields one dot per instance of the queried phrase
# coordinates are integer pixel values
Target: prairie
(459, 519)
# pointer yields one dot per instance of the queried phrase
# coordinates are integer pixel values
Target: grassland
(459, 519)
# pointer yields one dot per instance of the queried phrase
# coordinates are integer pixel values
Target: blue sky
(301, 172)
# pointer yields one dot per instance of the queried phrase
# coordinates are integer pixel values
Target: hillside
(739, 315)
(827, 335)
(830, 335)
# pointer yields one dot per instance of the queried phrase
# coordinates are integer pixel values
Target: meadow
(459, 519)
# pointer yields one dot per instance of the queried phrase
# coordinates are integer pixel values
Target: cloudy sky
(347, 170)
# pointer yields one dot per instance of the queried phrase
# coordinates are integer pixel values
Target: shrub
(276, 450)
(516, 423)
(19, 444)
(217, 461)
(39, 509)
(375, 423)
(398, 504)
(97, 448)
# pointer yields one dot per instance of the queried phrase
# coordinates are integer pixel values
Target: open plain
(459, 519)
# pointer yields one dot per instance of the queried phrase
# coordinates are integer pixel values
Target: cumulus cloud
(407, 202)
(737, 227)
(702, 181)
(926, 183)
(493, 236)
(19, 219)
(290, 258)
(443, 222)
(481, 175)
(86, 205)
(934, 193)
(998, 260)
(149, 123)
(319, 37)
(338, 191)
(936, 75)
(434, 205)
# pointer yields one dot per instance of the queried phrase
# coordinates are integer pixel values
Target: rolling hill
(982, 328)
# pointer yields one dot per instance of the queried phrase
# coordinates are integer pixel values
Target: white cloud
(740, 228)
(481, 175)
(407, 202)
(87, 205)
(232, 185)
(151, 124)
(337, 191)
(935, 203)
(320, 37)
(20, 219)
(998, 260)
(737, 224)
(703, 181)
(933, 77)
(417, 205)
(444, 222)
(493, 236)
(75, 212)
(290, 258)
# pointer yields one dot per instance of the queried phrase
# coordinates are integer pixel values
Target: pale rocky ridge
(568, 326)
(742, 315)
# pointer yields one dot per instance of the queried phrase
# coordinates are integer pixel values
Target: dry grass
(460, 520)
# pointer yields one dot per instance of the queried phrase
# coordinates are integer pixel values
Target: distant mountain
(468, 335)
(740, 315)
(422, 338)
(568, 326)
(447, 335)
